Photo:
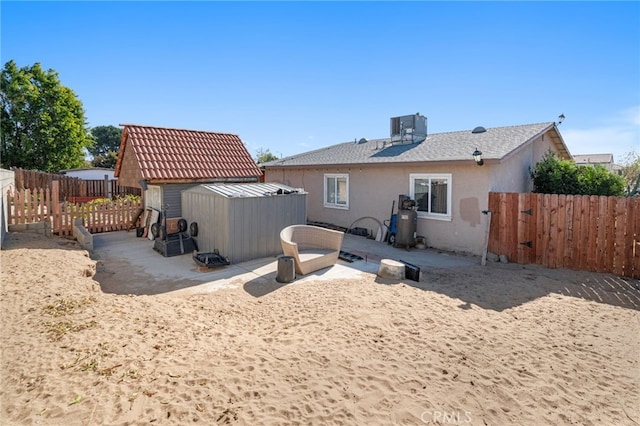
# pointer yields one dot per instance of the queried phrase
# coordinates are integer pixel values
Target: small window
(336, 190)
(432, 193)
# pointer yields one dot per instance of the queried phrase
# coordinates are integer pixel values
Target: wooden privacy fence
(28, 206)
(591, 233)
(43, 205)
(102, 189)
(33, 179)
(111, 216)
(72, 188)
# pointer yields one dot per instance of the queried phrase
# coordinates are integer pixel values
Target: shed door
(153, 197)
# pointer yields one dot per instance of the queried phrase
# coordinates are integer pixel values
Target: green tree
(264, 155)
(599, 181)
(107, 145)
(555, 176)
(42, 121)
(631, 172)
(107, 161)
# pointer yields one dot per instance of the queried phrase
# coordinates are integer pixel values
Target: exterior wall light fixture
(477, 156)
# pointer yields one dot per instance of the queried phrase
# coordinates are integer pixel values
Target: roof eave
(456, 162)
(556, 138)
(237, 179)
(121, 152)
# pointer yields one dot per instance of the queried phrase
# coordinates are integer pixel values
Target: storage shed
(243, 221)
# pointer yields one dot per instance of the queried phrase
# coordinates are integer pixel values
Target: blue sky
(296, 76)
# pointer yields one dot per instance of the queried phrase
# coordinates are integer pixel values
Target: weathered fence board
(620, 234)
(72, 188)
(28, 206)
(568, 242)
(562, 229)
(593, 233)
(522, 229)
(538, 243)
(33, 179)
(43, 205)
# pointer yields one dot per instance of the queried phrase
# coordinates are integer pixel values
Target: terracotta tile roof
(187, 155)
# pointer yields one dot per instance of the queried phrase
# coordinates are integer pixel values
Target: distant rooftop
(593, 159)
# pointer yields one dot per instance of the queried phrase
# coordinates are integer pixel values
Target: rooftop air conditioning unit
(408, 128)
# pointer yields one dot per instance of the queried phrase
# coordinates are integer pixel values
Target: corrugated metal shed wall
(242, 228)
(158, 196)
(171, 196)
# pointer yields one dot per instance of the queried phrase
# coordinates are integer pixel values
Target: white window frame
(428, 215)
(336, 204)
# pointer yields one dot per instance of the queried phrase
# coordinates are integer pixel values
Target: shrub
(556, 176)
(599, 181)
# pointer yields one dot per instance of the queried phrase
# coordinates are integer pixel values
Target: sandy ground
(495, 345)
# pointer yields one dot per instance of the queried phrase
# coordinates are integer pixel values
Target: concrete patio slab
(129, 265)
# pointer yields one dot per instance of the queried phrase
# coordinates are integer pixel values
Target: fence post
(107, 188)
(19, 206)
(55, 203)
(483, 261)
(49, 207)
(11, 205)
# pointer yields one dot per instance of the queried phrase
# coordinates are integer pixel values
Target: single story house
(165, 161)
(90, 173)
(604, 160)
(363, 178)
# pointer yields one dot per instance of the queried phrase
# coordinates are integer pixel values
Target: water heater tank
(406, 226)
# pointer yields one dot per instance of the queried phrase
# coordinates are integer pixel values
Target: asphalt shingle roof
(179, 154)
(495, 143)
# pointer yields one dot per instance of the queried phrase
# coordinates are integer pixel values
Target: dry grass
(67, 306)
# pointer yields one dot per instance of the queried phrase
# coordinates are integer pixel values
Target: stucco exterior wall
(373, 189)
(7, 181)
(513, 173)
(91, 174)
